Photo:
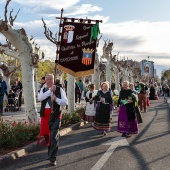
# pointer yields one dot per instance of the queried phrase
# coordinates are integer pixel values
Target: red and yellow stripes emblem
(86, 61)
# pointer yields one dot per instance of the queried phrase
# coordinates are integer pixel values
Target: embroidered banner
(77, 51)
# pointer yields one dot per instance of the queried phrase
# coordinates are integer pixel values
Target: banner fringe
(76, 74)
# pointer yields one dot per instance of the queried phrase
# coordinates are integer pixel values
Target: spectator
(143, 96)
(80, 84)
(86, 87)
(77, 92)
(14, 87)
(166, 93)
(11, 97)
(42, 83)
(57, 83)
(65, 85)
(112, 86)
(3, 89)
(19, 86)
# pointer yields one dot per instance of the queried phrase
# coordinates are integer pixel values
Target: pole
(58, 42)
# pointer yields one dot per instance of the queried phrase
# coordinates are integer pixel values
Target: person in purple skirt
(127, 123)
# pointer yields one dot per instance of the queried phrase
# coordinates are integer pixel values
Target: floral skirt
(125, 126)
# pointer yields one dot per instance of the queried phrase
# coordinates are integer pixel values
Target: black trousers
(19, 99)
(54, 139)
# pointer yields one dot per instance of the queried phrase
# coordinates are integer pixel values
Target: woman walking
(103, 109)
(166, 93)
(127, 123)
(90, 110)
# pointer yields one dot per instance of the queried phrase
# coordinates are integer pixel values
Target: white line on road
(115, 142)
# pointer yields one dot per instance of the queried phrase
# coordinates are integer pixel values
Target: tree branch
(5, 50)
(48, 33)
(11, 19)
(6, 10)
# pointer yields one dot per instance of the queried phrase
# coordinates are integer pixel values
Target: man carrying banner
(52, 97)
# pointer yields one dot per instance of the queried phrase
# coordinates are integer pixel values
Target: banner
(147, 68)
(77, 52)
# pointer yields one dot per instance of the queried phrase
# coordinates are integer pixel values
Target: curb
(12, 156)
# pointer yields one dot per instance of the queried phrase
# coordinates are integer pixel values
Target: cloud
(42, 4)
(82, 9)
(133, 39)
(148, 37)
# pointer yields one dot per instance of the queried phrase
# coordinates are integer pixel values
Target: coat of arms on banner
(68, 33)
(87, 56)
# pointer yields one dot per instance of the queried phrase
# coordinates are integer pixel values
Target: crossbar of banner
(79, 19)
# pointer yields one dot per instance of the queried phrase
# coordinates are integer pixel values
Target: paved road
(81, 149)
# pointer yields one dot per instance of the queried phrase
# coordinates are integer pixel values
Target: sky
(138, 29)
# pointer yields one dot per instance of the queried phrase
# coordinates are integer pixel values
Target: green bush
(73, 117)
(16, 134)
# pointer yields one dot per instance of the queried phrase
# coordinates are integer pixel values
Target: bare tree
(28, 58)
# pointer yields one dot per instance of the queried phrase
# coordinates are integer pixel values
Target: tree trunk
(71, 93)
(28, 89)
(117, 86)
(96, 75)
(36, 83)
(108, 71)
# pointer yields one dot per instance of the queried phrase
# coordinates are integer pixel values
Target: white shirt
(42, 96)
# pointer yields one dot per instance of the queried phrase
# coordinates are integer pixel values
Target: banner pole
(58, 43)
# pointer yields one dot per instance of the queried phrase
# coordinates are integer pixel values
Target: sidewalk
(20, 115)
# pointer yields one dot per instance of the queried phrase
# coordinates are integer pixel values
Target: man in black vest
(51, 97)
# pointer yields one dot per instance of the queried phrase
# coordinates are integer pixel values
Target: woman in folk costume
(90, 111)
(104, 105)
(156, 91)
(127, 123)
(137, 112)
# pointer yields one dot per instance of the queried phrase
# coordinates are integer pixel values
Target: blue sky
(137, 28)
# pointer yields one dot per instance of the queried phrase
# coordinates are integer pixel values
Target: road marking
(115, 142)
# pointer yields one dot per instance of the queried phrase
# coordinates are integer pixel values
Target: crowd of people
(133, 99)
(15, 92)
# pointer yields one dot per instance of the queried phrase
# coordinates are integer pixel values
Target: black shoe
(104, 133)
(53, 163)
(124, 135)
